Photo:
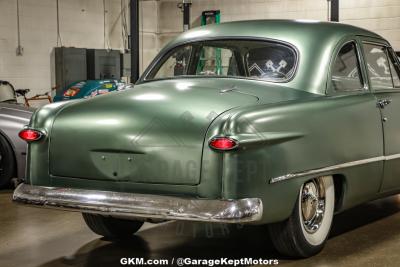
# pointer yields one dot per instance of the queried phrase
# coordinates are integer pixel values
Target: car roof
(291, 31)
(315, 42)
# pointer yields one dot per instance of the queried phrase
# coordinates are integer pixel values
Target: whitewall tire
(305, 232)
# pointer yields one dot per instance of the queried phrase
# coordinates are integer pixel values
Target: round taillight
(223, 143)
(30, 135)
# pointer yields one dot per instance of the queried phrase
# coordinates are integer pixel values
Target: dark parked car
(13, 118)
(280, 123)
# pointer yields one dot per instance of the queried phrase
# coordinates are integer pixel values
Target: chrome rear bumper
(140, 205)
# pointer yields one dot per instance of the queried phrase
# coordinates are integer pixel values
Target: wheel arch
(12, 146)
(339, 181)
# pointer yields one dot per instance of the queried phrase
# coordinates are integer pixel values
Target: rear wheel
(112, 228)
(7, 163)
(305, 232)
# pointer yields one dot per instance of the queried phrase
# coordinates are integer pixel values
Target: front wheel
(111, 228)
(305, 232)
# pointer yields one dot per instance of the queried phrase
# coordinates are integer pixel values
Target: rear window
(273, 62)
(263, 60)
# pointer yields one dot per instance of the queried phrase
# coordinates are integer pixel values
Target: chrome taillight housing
(223, 143)
(30, 135)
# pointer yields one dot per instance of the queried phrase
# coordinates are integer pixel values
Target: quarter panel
(330, 131)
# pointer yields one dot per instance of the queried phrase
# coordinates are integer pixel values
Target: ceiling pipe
(134, 40)
(184, 6)
(186, 14)
(334, 10)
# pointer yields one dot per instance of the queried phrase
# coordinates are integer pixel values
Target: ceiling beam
(134, 23)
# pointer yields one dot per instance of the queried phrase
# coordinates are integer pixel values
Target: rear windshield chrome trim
(160, 56)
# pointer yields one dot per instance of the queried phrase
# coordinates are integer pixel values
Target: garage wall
(81, 25)
(149, 24)
(381, 16)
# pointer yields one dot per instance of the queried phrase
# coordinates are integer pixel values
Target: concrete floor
(368, 235)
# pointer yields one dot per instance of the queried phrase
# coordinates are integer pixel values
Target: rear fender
(38, 166)
(292, 137)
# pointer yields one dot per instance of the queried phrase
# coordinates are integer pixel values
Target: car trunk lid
(153, 133)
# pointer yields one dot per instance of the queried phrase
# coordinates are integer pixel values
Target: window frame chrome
(388, 47)
(364, 81)
(163, 53)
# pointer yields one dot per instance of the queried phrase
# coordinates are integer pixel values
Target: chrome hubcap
(313, 205)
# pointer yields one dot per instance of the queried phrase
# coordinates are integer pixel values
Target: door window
(395, 70)
(346, 73)
(378, 66)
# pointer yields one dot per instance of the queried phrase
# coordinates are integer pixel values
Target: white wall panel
(81, 25)
(381, 16)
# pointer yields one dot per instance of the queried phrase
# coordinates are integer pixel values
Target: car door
(383, 74)
(348, 83)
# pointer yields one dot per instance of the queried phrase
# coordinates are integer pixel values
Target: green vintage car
(274, 122)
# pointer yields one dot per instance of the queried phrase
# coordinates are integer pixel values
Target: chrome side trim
(140, 206)
(332, 168)
(394, 156)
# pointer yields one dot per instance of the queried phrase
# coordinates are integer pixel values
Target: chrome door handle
(383, 102)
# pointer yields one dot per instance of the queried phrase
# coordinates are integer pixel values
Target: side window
(346, 73)
(394, 69)
(378, 65)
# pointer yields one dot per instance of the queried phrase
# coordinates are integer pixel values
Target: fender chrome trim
(140, 206)
(332, 168)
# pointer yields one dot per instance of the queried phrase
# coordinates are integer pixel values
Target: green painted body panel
(321, 134)
(154, 137)
(392, 140)
(146, 137)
